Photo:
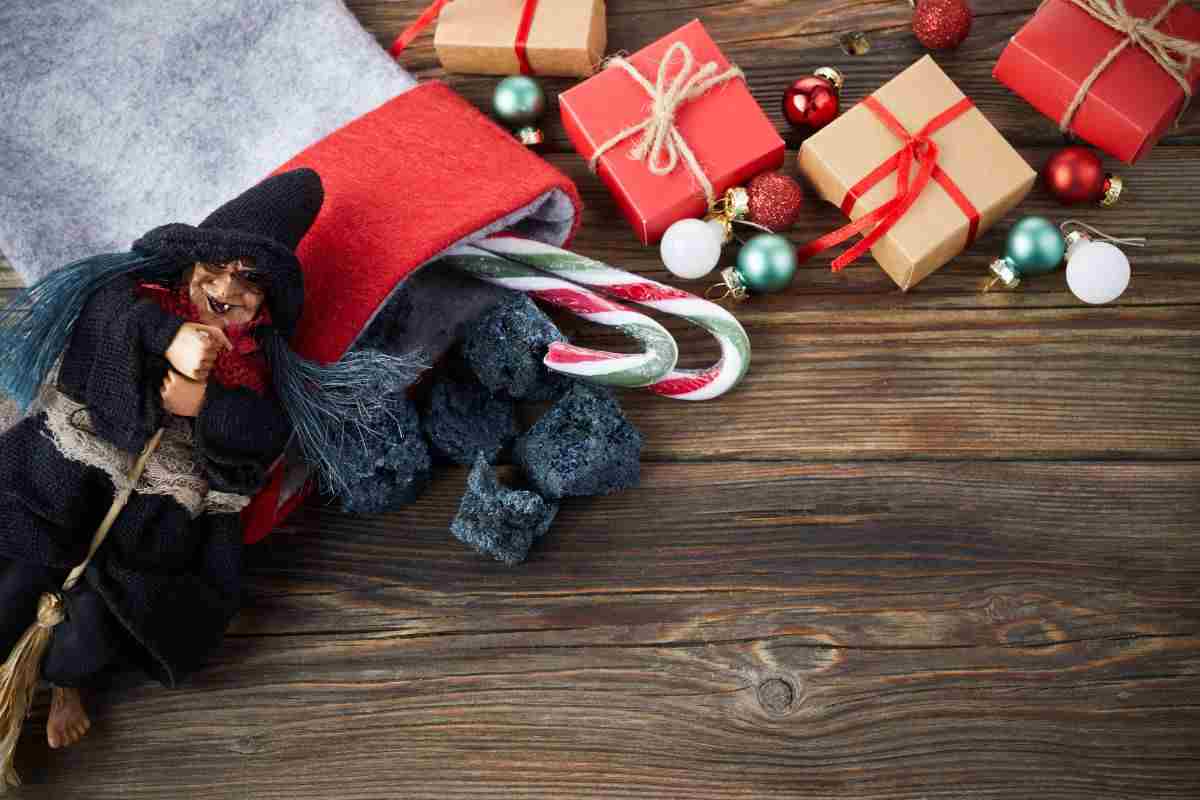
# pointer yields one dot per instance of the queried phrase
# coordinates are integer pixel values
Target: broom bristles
(18, 680)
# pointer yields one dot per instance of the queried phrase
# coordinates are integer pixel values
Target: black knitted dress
(166, 583)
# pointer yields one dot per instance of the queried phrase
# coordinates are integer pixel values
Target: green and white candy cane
(680, 384)
(598, 366)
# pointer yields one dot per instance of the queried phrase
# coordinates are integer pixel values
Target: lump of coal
(388, 473)
(497, 521)
(464, 420)
(505, 347)
(582, 446)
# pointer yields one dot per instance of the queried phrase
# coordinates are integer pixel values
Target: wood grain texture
(782, 630)
(939, 545)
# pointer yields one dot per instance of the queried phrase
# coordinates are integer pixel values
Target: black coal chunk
(498, 521)
(505, 348)
(464, 419)
(582, 446)
(391, 472)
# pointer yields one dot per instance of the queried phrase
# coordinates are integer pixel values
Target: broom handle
(114, 510)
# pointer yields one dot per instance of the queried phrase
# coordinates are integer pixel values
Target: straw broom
(19, 675)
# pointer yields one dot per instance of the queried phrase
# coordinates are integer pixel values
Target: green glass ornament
(1035, 246)
(519, 102)
(766, 263)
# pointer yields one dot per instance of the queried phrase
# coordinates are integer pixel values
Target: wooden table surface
(939, 544)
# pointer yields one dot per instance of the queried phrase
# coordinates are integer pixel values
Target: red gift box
(1133, 101)
(724, 127)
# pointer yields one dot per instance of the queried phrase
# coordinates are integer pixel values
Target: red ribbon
(919, 149)
(521, 45)
(526, 24)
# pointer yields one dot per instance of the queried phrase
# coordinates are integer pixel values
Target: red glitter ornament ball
(942, 24)
(775, 201)
(812, 102)
(1075, 175)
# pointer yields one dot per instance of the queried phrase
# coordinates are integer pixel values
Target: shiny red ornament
(1076, 175)
(813, 101)
(775, 201)
(941, 24)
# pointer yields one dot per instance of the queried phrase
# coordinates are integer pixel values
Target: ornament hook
(1131, 241)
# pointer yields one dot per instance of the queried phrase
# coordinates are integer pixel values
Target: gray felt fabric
(120, 115)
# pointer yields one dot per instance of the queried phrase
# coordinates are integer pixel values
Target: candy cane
(679, 383)
(599, 366)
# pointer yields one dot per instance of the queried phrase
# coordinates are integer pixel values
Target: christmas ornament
(512, 259)
(774, 201)
(520, 102)
(941, 24)
(1076, 175)
(1097, 271)
(691, 248)
(1035, 246)
(766, 263)
(770, 202)
(812, 102)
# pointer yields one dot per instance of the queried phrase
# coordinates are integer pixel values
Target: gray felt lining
(121, 116)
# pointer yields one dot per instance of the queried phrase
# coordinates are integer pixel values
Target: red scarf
(244, 365)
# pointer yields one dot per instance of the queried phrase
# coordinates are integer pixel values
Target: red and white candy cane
(680, 384)
(599, 366)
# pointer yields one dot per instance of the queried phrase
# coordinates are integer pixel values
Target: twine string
(662, 145)
(1131, 241)
(1172, 53)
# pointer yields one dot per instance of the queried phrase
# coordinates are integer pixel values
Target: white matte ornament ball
(691, 248)
(1097, 272)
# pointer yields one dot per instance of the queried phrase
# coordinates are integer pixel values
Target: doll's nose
(221, 283)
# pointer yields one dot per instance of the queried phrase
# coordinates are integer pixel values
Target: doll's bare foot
(68, 721)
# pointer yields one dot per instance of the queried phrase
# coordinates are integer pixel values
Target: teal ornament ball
(519, 100)
(1035, 247)
(766, 263)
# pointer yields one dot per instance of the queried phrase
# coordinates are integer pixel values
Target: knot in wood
(779, 695)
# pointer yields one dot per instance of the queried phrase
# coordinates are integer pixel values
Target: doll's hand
(195, 348)
(181, 396)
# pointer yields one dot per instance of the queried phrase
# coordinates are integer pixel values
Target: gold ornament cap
(734, 205)
(832, 75)
(726, 226)
(734, 285)
(1006, 274)
(530, 136)
(1113, 186)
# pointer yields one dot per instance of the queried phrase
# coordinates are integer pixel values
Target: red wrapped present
(670, 129)
(1116, 74)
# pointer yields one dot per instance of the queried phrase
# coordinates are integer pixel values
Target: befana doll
(159, 389)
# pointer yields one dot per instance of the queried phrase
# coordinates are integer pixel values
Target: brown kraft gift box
(988, 172)
(566, 38)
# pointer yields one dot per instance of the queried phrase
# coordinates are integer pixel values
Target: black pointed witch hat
(265, 222)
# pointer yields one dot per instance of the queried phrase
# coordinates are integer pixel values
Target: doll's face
(226, 294)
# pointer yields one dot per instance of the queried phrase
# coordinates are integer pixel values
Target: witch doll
(159, 390)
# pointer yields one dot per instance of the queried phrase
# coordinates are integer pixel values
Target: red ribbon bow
(919, 149)
(426, 19)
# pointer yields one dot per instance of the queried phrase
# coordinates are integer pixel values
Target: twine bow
(662, 145)
(1171, 53)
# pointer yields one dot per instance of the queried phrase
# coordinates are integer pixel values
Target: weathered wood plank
(814, 630)
(834, 534)
(944, 384)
